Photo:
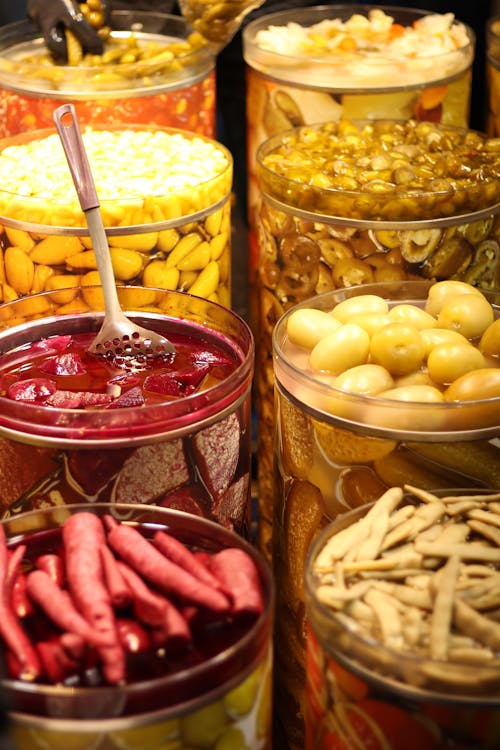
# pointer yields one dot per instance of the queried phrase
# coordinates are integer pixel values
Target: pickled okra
(164, 200)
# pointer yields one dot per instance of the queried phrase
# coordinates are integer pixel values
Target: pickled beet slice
(64, 364)
(32, 389)
(231, 506)
(54, 344)
(178, 382)
(93, 469)
(130, 398)
(77, 400)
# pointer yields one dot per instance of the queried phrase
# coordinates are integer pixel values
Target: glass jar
(220, 699)
(165, 201)
(190, 453)
(178, 91)
(313, 238)
(336, 450)
(312, 82)
(361, 687)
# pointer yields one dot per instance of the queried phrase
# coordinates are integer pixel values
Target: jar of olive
(349, 203)
(377, 386)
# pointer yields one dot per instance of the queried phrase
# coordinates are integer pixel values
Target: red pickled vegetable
(53, 565)
(138, 552)
(19, 599)
(15, 558)
(83, 536)
(237, 572)
(133, 636)
(24, 653)
(58, 606)
(182, 555)
(156, 610)
(131, 398)
(57, 663)
(63, 364)
(115, 582)
(31, 389)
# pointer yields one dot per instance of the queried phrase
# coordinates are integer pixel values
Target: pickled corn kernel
(453, 171)
(134, 171)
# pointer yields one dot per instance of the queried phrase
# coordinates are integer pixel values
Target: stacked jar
(352, 202)
(377, 386)
(154, 71)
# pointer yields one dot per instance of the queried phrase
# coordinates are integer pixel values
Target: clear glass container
(157, 454)
(312, 84)
(227, 696)
(335, 451)
(177, 93)
(313, 239)
(173, 236)
(358, 687)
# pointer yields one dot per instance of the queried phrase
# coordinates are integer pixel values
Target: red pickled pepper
(83, 535)
(24, 653)
(141, 555)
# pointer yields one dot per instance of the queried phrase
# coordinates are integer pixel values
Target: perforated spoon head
(119, 337)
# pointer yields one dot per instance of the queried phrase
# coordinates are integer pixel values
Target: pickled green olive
(447, 362)
(307, 326)
(422, 394)
(411, 315)
(365, 304)
(436, 336)
(371, 322)
(475, 386)
(490, 340)
(444, 291)
(397, 347)
(469, 314)
(240, 700)
(202, 728)
(368, 380)
(346, 347)
(232, 739)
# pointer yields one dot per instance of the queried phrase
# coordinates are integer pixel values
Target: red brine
(60, 372)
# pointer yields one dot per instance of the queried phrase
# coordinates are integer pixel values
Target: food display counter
(283, 534)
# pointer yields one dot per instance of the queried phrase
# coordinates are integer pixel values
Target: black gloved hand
(53, 17)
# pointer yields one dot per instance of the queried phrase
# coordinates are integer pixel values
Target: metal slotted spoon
(118, 336)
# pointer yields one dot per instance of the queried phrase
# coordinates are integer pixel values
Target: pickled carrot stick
(57, 663)
(58, 606)
(182, 555)
(15, 559)
(16, 584)
(149, 606)
(83, 535)
(138, 552)
(237, 572)
(24, 653)
(113, 578)
(52, 564)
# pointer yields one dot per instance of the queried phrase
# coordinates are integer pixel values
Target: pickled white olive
(411, 315)
(307, 326)
(490, 340)
(345, 347)
(371, 322)
(436, 336)
(447, 362)
(366, 379)
(443, 291)
(469, 314)
(397, 347)
(419, 377)
(362, 305)
(423, 394)
(475, 386)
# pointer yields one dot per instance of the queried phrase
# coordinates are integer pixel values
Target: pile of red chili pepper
(81, 611)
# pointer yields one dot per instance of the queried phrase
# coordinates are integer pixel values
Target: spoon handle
(70, 134)
(67, 126)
